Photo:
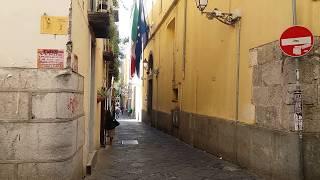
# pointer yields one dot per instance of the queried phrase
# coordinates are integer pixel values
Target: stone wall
(271, 146)
(270, 153)
(274, 79)
(41, 124)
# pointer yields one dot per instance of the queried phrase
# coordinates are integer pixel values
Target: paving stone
(159, 156)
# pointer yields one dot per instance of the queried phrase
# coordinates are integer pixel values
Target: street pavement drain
(141, 152)
(129, 142)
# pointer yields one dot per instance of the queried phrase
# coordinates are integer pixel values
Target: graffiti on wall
(73, 104)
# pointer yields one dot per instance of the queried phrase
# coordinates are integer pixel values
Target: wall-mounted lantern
(226, 18)
(145, 64)
(201, 4)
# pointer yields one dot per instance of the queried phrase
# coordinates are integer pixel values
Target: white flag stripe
(296, 41)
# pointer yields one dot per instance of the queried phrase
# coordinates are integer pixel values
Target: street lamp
(225, 18)
(201, 4)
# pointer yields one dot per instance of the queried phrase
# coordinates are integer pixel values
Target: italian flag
(134, 36)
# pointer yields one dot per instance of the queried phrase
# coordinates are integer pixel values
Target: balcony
(99, 17)
(108, 54)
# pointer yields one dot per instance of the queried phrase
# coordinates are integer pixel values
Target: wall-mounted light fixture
(145, 64)
(201, 4)
(225, 18)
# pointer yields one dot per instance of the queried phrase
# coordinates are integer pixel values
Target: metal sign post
(298, 118)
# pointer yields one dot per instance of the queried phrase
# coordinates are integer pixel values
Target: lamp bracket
(225, 18)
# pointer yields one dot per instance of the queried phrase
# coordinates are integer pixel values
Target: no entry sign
(296, 41)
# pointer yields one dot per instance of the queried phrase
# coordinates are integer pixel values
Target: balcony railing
(107, 51)
(99, 17)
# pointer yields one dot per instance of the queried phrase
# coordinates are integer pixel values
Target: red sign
(50, 58)
(296, 41)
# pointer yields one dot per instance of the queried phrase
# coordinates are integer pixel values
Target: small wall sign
(55, 25)
(50, 59)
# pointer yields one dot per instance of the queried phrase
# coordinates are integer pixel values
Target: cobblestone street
(159, 156)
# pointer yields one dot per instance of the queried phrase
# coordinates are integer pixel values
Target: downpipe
(237, 89)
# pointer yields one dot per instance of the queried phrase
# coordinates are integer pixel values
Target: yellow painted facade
(81, 38)
(99, 82)
(208, 86)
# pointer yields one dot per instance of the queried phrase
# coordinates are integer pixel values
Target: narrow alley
(158, 156)
(205, 89)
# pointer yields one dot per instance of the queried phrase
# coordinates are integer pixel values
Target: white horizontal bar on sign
(296, 41)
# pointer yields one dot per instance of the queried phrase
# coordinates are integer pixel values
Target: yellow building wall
(81, 47)
(99, 78)
(81, 39)
(209, 87)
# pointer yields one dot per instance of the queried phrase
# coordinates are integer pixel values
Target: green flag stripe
(134, 29)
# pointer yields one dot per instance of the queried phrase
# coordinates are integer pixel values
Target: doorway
(149, 98)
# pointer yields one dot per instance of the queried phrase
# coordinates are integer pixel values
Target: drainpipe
(238, 71)
(184, 39)
(237, 89)
(298, 91)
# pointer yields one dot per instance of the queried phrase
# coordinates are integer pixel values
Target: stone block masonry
(274, 78)
(271, 147)
(270, 153)
(41, 124)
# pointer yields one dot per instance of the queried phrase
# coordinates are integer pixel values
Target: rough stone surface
(253, 57)
(267, 116)
(166, 122)
(288, 71)
(271, 73)
(56, 105)
(243, 144)
(309, 94)
(287, 115)
(280, 114)
(69, 105)
(226, 140)
(268, 53)
(33, 144)
(159, 156)
(37, 79)
(7, 171)
(69, 82)
(274, 79)
(261, 149)
(14, 106)
(44, 106)
(307, 68)
(267, 96)
(38, 142)
(311, 155)
(285, 158)
(80, 131)
(56, 170)
(257, 76)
